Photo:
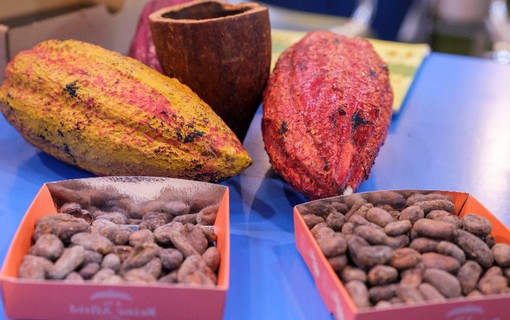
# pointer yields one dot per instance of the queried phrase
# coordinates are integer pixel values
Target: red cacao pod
(326, 113)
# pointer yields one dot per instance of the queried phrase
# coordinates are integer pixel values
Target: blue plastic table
(453, 133)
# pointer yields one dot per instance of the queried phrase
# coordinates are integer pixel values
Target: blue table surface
(452, 133)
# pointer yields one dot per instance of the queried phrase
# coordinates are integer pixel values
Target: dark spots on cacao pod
(357, 120)
(164, 113)
(190, 137)
(60, 133)
(157, 150)
(301, 66)
(326, 164)
(178, 134)
(373, 74)
(384, 67)
(67, 150)
(42, 137)
(71, 89)
(283, 129)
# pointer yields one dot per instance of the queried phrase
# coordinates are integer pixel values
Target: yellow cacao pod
(112, 115)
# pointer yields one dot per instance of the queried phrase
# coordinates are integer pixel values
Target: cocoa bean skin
(397, 228)
(450, 249)
(48, 246)
(476, 224)
(446, 283)
(34, 267)
(194, 270)
(359, 293)
(474, 248)
(405, 258)
(381, 275)
(501, 252)
(70, 259)
(440, 261)
(434, 229)
(412, 213)
(379, 216)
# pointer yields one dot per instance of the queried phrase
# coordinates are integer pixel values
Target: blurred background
(466, 27)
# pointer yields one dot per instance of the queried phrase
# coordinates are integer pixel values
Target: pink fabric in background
(142, 47)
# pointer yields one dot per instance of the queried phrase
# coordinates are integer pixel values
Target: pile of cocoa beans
(394, 247)
(106, 237)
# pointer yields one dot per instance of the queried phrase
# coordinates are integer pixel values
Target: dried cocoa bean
(439, 204)
(373, 235)
(381, 275)
(423, 244)
(404, 258)
(141, 237)
(111, 261)
(115, 217)
(195, 237)
(412, 213)
(420, 197)
(132, 208)
(209, 232)
(348, 228)
(409, 294)
(476, 224)
(153, 267)
(163, 233)
(474, 248)
(446, 283)
(48, 246)
(95, 242)
(70, 259)
(397, 228)
(361, 212)
(501, 253)
(208, 215)
(430, 293)
(100, 224)
(169, 278)
(34, 267)
(393, 198)
(434, 229)
(379, 216)
(311, 220)
(436, 214)
(194, 270)
(190, 218)
(74, 277)
(450, 249)
(379, 293)
(397, 242)
(468, 276)
(335, 221)
(153, 220)
(370, 256)
(359, 293)
(412, 277)
(381, 305)
(139, 275)
(113, 279)
(453, 220)
(350, 273)
(140, 256)
(493, 284)
(338, 262)
(440, 261)
(62, 225)
(118, 235)
(211, 257)
(89, 270)
(123, 252)
(177, 207)
(102, 275)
